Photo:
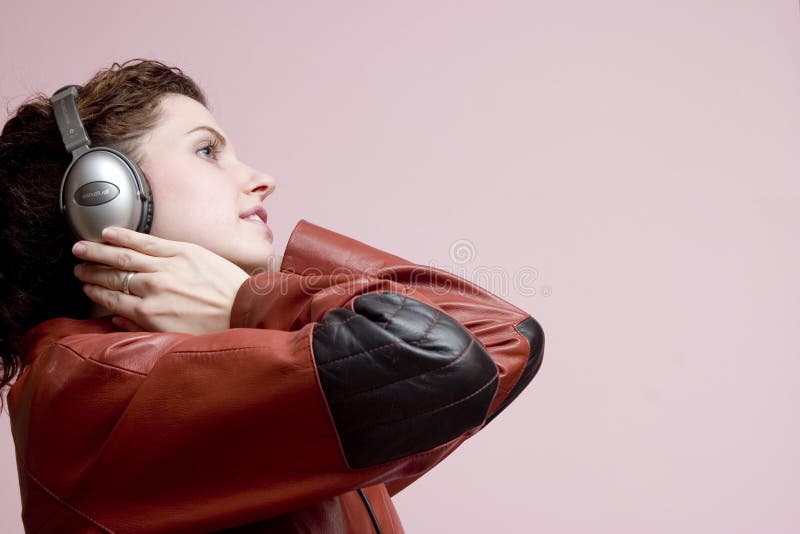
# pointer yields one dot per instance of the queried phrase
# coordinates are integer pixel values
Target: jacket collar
(36, 340)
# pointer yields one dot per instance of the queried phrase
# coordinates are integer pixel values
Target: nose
(261, 184)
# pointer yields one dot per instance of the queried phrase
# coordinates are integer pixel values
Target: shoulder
(94, 342)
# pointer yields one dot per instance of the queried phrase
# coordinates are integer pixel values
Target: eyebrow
(221, 137)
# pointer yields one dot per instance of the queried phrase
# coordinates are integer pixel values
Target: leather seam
(210, 352)
(472, 342)
(98, 363)
(166, 354)
(429, 329)
(359, 353)
(323, 326)
(398, 342)
(402, 305)
(64, 503)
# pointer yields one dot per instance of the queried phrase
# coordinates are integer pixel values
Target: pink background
(626, 171)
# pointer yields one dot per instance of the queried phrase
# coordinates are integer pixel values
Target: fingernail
(77, 269)
(78, 248)
(109, 233)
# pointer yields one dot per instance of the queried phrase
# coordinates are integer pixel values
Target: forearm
(512, 337)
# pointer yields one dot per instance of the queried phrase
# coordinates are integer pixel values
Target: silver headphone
(101, 186)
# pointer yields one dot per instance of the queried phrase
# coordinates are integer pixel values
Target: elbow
(402, 378)
(437, 407)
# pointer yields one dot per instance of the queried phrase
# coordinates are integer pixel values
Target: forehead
(179, 114)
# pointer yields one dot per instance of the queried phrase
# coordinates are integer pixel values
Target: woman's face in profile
(200, 191)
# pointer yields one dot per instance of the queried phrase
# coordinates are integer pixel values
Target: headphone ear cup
(103, 187)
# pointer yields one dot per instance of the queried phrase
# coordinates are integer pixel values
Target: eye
(212, 145)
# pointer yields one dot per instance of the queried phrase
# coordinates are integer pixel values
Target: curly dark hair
(118, 105)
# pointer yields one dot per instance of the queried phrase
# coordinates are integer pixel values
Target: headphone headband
(69, 120)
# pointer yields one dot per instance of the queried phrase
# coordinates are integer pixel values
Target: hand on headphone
(177, 287)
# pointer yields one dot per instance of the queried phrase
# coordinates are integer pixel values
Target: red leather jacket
(120, 431)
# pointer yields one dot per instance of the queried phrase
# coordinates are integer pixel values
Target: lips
(258, 210)
(257, 215)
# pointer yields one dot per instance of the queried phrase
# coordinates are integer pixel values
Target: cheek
(189, 205)
(165, 194)
(165, 182)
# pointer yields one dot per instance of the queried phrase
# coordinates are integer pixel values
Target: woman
(219, 391)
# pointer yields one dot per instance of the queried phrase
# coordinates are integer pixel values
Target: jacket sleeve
(511, 336)
(185, 432)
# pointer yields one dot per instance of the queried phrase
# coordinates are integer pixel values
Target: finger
(145, 243)
(116, 302)
(120, 258)
(111, 278)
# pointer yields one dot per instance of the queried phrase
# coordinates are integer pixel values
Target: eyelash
(213, 144)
